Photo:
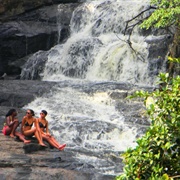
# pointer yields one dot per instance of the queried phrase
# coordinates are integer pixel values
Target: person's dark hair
(44, 111)
(10, 112)
(32, 112)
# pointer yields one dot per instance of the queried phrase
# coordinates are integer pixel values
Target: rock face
(14, 7)
(15, 93)
(29, 26)
(43, 164)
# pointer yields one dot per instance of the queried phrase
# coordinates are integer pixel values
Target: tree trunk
(174, 52)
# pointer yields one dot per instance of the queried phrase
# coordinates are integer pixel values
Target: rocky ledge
(17, 163)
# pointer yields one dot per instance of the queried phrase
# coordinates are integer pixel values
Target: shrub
(157, 154)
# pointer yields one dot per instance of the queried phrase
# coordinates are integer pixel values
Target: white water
(96, 51)
(69, 108)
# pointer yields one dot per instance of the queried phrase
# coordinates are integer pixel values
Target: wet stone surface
(37, 163)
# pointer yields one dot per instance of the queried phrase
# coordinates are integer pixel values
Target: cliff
(27, 27)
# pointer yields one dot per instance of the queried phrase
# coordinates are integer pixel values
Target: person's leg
(21, 137)
(15, 125)
(40, 139)
(52, 143)
(47, 138)
(39, 133)
(58, 144)
(32, 132)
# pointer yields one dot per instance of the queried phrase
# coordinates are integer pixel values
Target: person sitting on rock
(11, 125)
(29, 127)
(43, 125)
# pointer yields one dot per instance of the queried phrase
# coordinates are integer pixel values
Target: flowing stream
(93, 63)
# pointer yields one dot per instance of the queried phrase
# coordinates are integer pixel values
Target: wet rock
(27, 27)
(28, 148)
(41, 164)
(18, 93)
(118, 95)
(12, 8)
(34, 66)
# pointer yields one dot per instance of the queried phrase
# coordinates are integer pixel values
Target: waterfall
(95, 60)
(97, 49)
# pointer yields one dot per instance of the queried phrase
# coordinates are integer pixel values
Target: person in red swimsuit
(29, 127)
(43, 125)
(11, 125)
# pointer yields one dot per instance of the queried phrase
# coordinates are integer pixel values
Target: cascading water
(89, 67)
(97, 48)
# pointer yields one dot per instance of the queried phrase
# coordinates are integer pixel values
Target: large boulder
(29, 26)
(14, 7)
(17, 93)
(16, 163)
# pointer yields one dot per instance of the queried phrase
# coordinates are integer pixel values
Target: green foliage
(157, 154)
(167, 13)
(176, 60)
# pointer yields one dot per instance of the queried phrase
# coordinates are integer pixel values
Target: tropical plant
(166, 14)
(157, 154)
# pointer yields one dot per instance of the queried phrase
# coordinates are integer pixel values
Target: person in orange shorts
(11, 125)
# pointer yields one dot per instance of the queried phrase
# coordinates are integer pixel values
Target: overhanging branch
(132, 26)
(137, 16)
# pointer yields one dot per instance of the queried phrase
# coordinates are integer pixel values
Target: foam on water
(97, 48)
(94, 116)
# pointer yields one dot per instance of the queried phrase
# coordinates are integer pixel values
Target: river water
(95, 62)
